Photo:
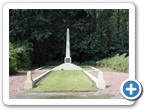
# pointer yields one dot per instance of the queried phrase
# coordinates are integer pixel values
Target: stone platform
(68, 66)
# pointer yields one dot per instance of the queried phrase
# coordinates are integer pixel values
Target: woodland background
(97, 37)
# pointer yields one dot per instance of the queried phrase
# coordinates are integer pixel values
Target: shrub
(12, 59)
(119, 63)
(19, 56)
(52, 63)
(93, 63)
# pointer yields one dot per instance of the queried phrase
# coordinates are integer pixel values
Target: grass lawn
(65, 80)
(49, 68)
(87, 68)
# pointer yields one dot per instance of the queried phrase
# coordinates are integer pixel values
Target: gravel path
(113, 82)
(16, 82)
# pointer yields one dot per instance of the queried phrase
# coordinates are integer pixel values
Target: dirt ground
(112, 78)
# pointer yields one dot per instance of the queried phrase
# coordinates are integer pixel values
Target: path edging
(29, 83)
(99, 81)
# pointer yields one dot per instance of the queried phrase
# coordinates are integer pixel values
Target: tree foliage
(19, 56)
(94, 34)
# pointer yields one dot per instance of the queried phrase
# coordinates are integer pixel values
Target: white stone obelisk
(67, 58)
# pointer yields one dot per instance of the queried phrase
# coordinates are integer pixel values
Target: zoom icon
(131, 89)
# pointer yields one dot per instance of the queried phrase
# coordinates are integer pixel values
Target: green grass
(87, 68)
(64, 80)
(49, 68)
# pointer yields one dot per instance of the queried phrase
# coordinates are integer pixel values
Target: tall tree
(94, 34)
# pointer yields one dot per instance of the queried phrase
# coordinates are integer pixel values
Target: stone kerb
(39, 68)
(100, 81)
(41, 76)
(29, 83)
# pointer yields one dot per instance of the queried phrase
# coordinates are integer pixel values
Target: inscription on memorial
(67, 60)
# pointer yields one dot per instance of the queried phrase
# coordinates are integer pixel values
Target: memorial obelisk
(67, 58)
(67, 65)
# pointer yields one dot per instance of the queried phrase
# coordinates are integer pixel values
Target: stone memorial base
(67, 66)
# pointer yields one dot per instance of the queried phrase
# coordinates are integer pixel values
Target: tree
(19, 56)
(94, 33)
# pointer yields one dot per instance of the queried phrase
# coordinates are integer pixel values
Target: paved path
(100, 94)
(16, 82)
(113, 82)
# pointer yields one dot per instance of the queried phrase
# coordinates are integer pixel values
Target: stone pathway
(112, 91)
(100, 94)
(16, 82)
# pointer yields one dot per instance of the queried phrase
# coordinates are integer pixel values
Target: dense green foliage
(94, 35)
(19, 56)
(119, 63)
